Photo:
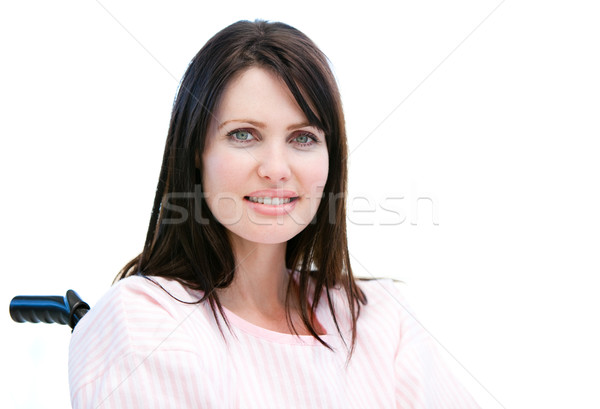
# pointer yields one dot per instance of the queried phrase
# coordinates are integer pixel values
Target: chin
(274, 234)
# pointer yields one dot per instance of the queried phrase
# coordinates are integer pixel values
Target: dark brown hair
(195, 249)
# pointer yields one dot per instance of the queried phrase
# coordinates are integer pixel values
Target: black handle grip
(51, 309)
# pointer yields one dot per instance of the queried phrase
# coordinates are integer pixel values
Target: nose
(274, 164)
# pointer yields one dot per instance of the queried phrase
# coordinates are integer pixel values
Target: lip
(272, 210)
(273, 193)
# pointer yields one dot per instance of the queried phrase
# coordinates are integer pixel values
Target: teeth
(274, 201)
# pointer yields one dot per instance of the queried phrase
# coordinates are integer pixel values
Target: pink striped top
(140, 348)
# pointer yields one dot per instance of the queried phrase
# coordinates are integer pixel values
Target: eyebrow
(259, 124)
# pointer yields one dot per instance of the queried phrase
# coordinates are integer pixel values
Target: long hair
(184, 241)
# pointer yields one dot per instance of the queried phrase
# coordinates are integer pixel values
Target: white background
(493, 117)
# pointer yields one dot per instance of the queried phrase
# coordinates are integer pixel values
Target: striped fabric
(141, 348)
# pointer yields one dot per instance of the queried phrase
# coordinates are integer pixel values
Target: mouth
(271, 201)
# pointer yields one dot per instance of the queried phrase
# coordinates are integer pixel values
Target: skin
(260, 140)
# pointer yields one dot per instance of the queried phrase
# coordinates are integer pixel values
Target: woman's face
(264, 167)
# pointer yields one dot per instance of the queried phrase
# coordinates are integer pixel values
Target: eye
(305, 139)
(241, 135)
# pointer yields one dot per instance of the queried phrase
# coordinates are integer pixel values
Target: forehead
(258, 94)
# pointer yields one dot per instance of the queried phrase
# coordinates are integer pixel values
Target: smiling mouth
(273, 201)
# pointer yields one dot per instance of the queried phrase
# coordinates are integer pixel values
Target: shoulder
(144, 338)
(388, 304)
(389, 317)
(138, 315)
(387, 311)
(380, 286)
(422, 375)
(138, 307)
(136, 300)
(385, 295)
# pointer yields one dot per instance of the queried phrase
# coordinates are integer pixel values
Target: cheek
(315, 173)
(222, 172)
(221, 185)
(313, 176)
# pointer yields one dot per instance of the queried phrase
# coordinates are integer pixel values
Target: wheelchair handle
(51, 309)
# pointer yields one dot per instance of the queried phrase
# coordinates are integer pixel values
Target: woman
(248, 228)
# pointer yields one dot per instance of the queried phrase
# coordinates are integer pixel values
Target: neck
(260, 280)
